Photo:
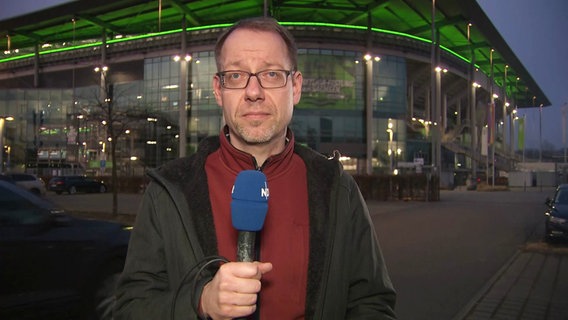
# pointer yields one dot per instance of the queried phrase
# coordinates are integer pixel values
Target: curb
(465, 311)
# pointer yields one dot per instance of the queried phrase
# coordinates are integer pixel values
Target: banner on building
(491, 124)
(521, 134)
(484, 142)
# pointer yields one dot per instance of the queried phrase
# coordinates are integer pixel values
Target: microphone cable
(202, 265)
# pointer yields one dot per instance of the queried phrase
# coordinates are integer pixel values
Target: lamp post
(390, 146)
(564, 111)
(540, 133)
(3, 120)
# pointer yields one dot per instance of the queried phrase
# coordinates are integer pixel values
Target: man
(318, 255)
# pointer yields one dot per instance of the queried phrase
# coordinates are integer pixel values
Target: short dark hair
(260, 24)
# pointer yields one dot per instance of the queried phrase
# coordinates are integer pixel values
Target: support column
(183, 92)
(2, 122)
(369, 114)
(435, 88)
(411, 100)
(444, 115)
(369, 95)
(103, 69)
(458, 112)
(36, 66)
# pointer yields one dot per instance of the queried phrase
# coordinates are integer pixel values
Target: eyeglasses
(268, 79)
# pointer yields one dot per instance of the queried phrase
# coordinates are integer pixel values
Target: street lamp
(564, 111)
(3, 120)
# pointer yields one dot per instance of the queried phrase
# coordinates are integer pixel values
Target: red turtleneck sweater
(284, 239)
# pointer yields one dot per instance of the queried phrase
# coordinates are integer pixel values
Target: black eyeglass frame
(221, 76)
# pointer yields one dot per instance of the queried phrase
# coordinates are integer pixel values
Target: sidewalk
(532, 285)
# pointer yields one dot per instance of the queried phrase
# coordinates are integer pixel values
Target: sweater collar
(238, 160)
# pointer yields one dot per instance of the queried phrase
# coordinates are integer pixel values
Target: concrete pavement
(533, 284)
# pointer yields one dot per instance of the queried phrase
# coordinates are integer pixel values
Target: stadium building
(393, 85)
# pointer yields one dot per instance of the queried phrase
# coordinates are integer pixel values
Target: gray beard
(266, 137)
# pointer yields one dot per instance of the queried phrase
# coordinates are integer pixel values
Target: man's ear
(217, 90)
(297, 86)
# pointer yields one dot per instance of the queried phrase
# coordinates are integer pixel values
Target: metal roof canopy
(85, 20)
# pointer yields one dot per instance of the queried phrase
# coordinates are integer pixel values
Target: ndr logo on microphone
(264, 192)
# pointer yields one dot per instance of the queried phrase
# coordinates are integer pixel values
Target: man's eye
(234, 76)
(272, 74)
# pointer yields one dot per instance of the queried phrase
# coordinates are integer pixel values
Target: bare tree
(117, 114)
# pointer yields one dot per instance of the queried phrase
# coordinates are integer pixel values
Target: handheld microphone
(248, 210)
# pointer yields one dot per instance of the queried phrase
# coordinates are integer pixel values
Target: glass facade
(57, 126)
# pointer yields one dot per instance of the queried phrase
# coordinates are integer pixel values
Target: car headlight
(557, 220)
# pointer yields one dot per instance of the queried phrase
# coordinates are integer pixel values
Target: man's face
(256, 115)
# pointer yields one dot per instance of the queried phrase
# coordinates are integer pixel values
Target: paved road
(442, 256)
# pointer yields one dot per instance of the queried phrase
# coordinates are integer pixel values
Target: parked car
(556, 223)
(4, 177)
(29, 182)
(74, 184)
(54, 265)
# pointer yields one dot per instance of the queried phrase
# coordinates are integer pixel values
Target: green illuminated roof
(80, 21)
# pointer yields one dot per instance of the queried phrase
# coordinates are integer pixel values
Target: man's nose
(254, 89)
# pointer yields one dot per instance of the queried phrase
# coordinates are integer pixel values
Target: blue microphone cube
(249, 203)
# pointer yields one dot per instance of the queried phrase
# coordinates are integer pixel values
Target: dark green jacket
(174, 233)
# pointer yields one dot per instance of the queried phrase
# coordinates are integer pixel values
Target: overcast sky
(14, 8)
(537, 31)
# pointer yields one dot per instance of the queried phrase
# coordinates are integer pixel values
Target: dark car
(74, 184)
(556, 224)
(4, 177)
(53, 265)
